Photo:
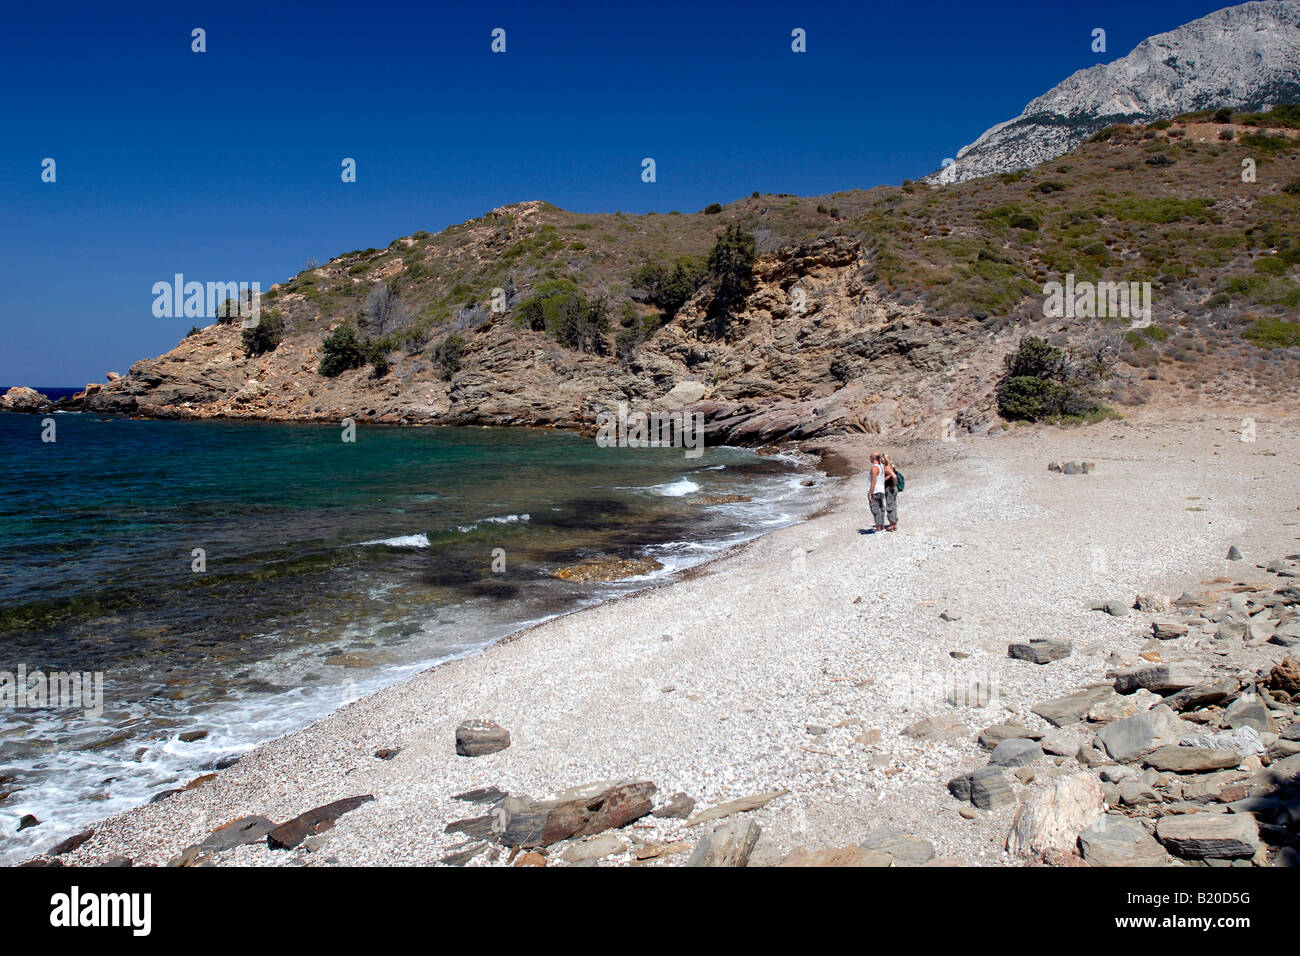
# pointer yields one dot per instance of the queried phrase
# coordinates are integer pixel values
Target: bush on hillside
(340, 351)
(731, 270)
(1273, 333)
(448, 354)
(667, 289)
(560, 310)
(1042, 381)
(264, 336)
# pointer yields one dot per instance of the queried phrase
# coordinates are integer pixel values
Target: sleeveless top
(879, 487)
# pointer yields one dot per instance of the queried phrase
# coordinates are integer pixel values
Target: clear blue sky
(225, 165)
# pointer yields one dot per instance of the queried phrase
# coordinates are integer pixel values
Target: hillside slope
(910, 298)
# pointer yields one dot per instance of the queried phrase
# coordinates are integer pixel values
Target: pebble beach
(833, 681)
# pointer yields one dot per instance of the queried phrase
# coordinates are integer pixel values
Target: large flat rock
(1200, 836)
(1117, 840)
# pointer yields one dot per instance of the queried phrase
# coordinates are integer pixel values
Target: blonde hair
(884, 460)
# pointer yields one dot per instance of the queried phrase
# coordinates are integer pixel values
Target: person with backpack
(893, 485)
(878, 490)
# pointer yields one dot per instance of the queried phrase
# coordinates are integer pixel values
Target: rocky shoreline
(769, 710)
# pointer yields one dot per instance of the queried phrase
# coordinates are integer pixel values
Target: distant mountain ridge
(1245, 57)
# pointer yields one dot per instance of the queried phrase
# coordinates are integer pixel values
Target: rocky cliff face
(1246, 57)
(789, 366)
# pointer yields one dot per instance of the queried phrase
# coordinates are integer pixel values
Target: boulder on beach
(580, 811)
(289, 834)
(478, 736)
(1199, 836)
(730, 843)
(1053, 818)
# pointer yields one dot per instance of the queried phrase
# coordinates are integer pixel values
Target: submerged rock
(720, 499)
(611, 569)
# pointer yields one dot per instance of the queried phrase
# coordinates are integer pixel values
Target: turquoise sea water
(328, 569)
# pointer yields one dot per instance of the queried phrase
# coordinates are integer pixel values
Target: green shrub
(731, 270)
(1164, 209)
(340, 351)
(1285, 116)
(712, 209)
(540, 311)
(1271, 333)
(583, 327)
(1044, 382)
(264, 336)
(227, 312)
(1265, 144)
(1022, 220)
(448, 354)
(668, 289)
(1107, 134)
(559, 309)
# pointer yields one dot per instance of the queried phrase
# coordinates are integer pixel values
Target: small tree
(448, 354)
(264, 336)
(731, 269)
(340, 351)
(668, 289)
(227, 312)
(1043, 381)
(379, 365)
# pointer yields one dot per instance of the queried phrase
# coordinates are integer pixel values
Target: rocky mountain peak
(1245, 57)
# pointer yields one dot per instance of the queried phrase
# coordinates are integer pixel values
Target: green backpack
(899, 483)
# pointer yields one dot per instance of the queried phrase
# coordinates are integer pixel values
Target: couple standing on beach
(886, 483)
